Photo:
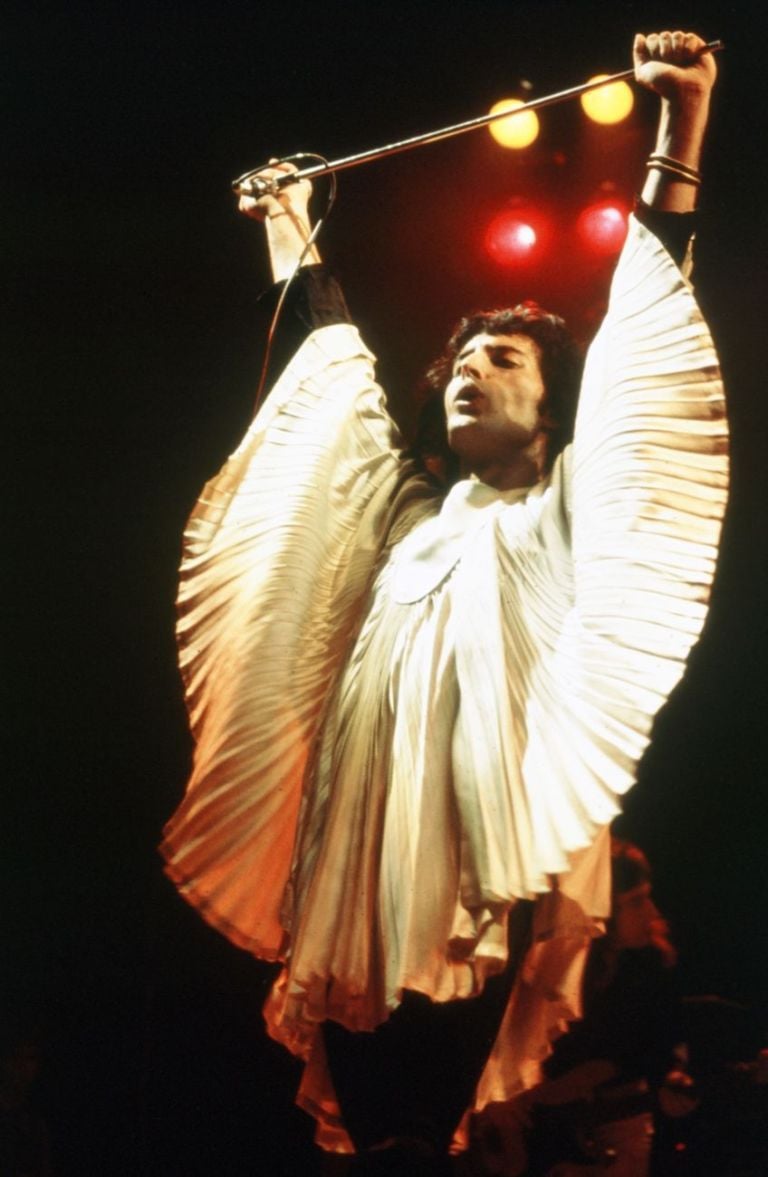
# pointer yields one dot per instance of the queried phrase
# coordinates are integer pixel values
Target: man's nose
(472, 365)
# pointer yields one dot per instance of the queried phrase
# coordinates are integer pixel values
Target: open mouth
(468, 397)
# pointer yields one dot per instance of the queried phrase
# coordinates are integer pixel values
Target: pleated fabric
(409, 715)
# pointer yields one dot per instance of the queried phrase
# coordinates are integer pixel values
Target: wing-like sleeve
(278, 554)
(602, 597)
(646, 480)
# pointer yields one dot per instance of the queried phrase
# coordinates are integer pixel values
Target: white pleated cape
(410, 713)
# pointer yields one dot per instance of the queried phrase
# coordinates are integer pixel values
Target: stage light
(608, 104)
(602, 227)
(514, 238)
(517, 131)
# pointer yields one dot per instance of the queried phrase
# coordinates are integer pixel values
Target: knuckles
(677, 48)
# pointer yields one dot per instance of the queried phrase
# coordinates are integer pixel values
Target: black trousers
(416, 1073)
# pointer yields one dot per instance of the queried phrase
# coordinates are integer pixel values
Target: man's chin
(463, 433)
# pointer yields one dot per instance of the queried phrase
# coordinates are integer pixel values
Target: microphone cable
(313, 236)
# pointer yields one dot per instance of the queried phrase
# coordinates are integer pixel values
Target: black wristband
(314, 300)
(674, 230)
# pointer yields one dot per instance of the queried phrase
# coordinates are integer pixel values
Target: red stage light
(513, 238)
(602, 227)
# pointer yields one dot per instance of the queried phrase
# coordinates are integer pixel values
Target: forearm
(287, 235)
(284, 213)
(680, 69)
(680, 137)
(311, 298)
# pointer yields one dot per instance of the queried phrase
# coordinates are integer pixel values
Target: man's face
(636, 918)
(492, 401)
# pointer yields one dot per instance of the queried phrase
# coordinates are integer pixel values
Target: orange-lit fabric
(407, 717)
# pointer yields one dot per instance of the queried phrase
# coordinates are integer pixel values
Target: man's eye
(502, 362)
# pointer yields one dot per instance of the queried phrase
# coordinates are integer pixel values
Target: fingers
(264, 203)
(671, 61)
(675, 48)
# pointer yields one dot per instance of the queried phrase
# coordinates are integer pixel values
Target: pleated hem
(206, 909)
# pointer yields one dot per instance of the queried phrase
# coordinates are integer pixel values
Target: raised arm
(673, 65)
(646, 486)
(286, 220)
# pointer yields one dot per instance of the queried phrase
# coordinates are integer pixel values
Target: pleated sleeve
(642, 494)
(278, 555)
(602, 597)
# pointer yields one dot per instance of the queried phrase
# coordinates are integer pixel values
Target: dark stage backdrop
(133, 349)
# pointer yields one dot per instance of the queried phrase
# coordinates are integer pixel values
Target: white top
(409, 715)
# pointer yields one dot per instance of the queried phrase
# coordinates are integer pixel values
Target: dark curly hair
(629, 866)
(561, 366)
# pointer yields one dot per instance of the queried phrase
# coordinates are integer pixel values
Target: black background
(133, 349)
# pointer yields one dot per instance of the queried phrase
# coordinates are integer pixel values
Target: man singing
(415, 712)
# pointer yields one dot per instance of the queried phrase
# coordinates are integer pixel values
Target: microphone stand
(250, 185)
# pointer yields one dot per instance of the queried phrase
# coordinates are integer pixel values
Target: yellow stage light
(608, 104)
(519, 130)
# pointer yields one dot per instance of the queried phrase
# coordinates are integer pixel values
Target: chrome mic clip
(253, 184)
